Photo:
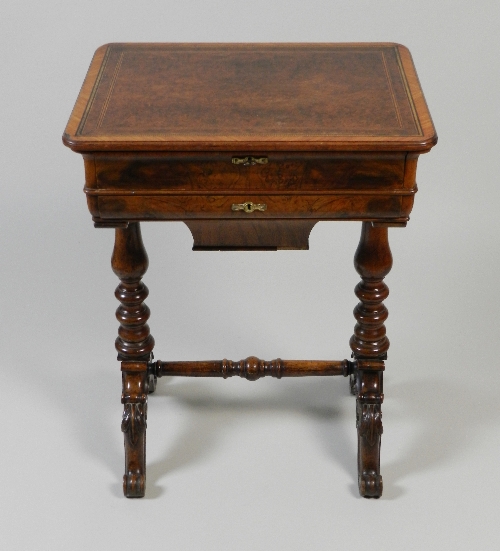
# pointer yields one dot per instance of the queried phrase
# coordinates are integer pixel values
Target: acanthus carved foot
(134, 424)
(369, 422)
(369, 425)
(134, 421)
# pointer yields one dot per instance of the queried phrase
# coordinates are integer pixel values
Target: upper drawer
(262, 172)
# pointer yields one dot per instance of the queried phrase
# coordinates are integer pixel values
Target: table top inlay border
(422, 140)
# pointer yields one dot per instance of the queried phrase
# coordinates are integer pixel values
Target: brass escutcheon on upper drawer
(248, 206)
(249, 161)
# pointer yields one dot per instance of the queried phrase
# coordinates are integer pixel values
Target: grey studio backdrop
(232, 464)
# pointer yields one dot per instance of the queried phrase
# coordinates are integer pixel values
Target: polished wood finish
(130, 262)
(134, 345)
(252, 368)
(373, 261)
(264, 235)
(250, 145)
(135, 412)
(340, 127)
(240, 97)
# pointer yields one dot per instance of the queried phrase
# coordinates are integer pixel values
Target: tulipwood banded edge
(109, 130)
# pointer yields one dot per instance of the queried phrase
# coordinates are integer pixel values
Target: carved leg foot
(369, 424)
(134, 485)
(134, 345)
(370, 484)
(369, 344)
(134, 423)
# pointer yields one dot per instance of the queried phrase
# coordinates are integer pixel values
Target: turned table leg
(369, 344)
(134, 345)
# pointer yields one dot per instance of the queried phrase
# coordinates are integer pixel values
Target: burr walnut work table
(250, 145)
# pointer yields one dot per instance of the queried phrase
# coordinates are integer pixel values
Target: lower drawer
(185, 207)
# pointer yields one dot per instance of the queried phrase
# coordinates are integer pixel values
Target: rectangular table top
(251, 97)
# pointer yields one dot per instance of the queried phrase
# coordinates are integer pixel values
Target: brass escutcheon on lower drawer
(248, 206)
(249, 161)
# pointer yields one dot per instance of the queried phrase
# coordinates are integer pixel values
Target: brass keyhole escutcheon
(249, 161)
(248, 206)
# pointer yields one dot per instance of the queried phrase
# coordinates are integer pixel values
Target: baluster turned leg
(369, 344)
(134, 345)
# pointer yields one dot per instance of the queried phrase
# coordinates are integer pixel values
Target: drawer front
(314, 206)
(260, 173)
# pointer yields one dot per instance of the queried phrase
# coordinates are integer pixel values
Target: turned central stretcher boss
(250, 145)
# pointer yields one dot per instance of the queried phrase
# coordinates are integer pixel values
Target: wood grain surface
(205, 97)
(250, 145)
